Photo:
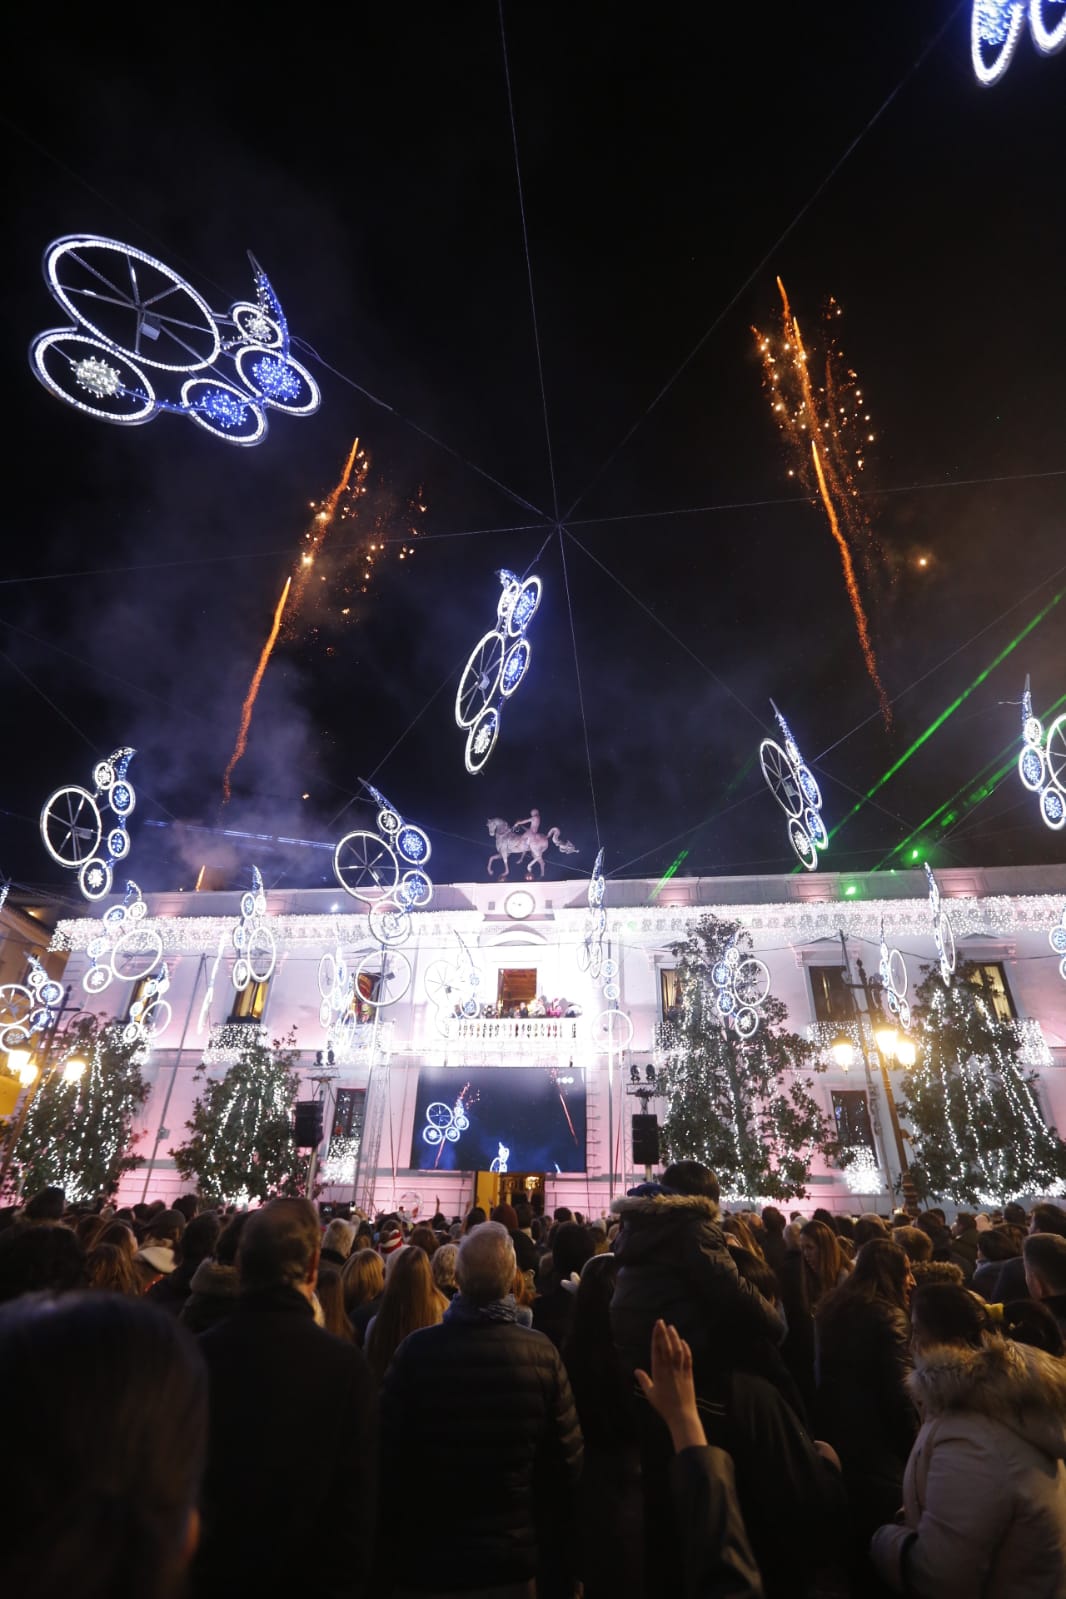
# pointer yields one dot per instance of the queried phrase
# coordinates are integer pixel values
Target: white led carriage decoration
(741, 984)
(1057, 939)
(894, 981)
(943, 932)
(996, 26)
(131, 315)
(498, 663)
(1042, 762)
(124, 951)
(74, 829)
(256, 947)
(452, 988)
(611, 1029)
(794, 787)
(30, 1007)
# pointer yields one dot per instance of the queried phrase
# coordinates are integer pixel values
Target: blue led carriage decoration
(131, 315)
(794, 787)
(498, 663)
(996, 26)
(1042, 762)
(75, 832)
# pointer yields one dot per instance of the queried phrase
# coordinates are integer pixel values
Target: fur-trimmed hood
(663, 1203)
(212, 1278)
(1021, 1388)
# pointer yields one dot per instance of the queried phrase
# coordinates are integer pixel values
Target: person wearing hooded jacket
(985, 1487)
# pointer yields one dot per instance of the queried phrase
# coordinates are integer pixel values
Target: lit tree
(241, 1146)
(741, 1106)
(77, 1134)
(977, 1130)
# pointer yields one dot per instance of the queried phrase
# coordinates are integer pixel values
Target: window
(516, 986)
(137, 992)
(832, 999)
(348, 1113)
(991, 979)
(851, 1113)
(250, 1003)
(669, 993)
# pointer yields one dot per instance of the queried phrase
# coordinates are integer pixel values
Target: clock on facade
(520, 904)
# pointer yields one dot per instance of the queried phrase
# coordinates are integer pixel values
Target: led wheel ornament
(1032, 768)
(795, 788)
(481, 740)
(440, 1124)
(365, 866)
(597, 884)
(89, 375)
(223, 410)
(279, 381)
(943, 932)
(480, 679)
(383, 979)
(894, 980)
(751, 982)
(133, 302)
(612, 1030)
(95, 879)
(1042, 763)
(415, 889)
(780, 777)
(256, 327)
(389, 922)
(515, 666)
(1053, 808)
(70, 826)
(1057, 937)
(1055, 753)
(995, 28)
(412, 844)
(1047, 23)
(96, 979)
(802, 843)
(741, 985)
(524, 606)
(136, 953)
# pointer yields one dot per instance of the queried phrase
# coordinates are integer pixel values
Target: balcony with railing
(512, 1035)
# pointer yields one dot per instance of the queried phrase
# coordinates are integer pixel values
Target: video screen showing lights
(493, 1118)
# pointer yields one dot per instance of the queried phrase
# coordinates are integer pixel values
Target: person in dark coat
(996, 1248)
(553, 1311)
(526, 1252)
(1010, 1284)
(194, 1246)
(1044, 1256)
(964, 1241)
(292, 1428)
(213, 1287)
(484, 1405)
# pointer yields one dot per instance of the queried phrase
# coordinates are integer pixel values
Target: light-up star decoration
(498, 663)
(741, 983)
(131, 316)
(943, 932)
(997, 25)
(1057, 939)
(28, 1008)
(793, 785)
(76, 833)
(1042, 762)
(894, 980)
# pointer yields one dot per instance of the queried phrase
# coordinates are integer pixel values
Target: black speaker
(307, 1124)
(645, 1140)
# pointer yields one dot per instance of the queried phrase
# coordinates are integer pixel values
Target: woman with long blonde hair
(412, 1300)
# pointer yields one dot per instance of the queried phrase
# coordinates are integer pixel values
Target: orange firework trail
(253, 690)
(321, 524)
(827, 431)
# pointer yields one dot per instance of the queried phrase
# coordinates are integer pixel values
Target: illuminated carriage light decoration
(1042, 762)
(445, 1123)
(996, 26)
(28, 1008)
(943, 932)
(498, 664)
(76, 833)
(794, 787)
(452, 989)
(131, 315)
(1057, 939)
(150, 1013)
(611, 1029)
(385, 870)
(256, 947)
(124, 950)
(741, 984)
(894, 981)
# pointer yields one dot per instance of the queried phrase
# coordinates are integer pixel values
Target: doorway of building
(492, 1189)
(516, 987)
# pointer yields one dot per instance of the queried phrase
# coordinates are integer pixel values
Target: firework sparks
(253, 690)
(828, 432)
(325, 515)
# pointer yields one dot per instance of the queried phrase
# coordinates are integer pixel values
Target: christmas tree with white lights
(241, 1146)
(976, 1127)
(742, 1106)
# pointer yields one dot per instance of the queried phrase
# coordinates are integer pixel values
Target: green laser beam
(665, 878)
(949, 710)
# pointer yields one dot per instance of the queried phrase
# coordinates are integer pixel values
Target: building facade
(500, 1045)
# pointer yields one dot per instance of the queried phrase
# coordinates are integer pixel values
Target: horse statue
(524, 838)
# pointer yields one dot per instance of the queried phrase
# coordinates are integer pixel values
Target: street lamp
(20, 1062)
(906, 1053)
(843, 1051)
(73, 1070)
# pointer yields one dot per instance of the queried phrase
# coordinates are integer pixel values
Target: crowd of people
(666, 1400)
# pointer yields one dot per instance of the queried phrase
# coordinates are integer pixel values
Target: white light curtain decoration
(498, 663)
(1057, 939)
(997, 25)
(1042, 762)
(75, 832)
(793, 785)
(943, 932)
(130, 313)
(28, 1008)
(741, 984)
(893, 969)
(862, 1173)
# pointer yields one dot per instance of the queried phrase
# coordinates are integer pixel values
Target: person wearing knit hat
(391, 1240)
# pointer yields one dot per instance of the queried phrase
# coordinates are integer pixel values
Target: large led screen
(499, 1118)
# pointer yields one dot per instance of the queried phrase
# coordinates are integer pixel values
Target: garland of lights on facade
(793, 785)
(73, 828)
(996, 26)
(497, 665)
(130, 313)
(1042, 762)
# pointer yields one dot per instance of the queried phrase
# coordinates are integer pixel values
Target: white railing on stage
(516, 1034)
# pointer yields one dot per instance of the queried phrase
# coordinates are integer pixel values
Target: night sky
(671, 170)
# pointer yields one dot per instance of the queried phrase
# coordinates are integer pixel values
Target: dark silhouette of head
(689, 1177)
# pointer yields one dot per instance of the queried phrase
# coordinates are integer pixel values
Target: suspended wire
(722, 684)
(529, 262)
(580, 694)
(770, 253)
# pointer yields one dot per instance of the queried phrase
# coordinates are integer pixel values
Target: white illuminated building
(399, 1090)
